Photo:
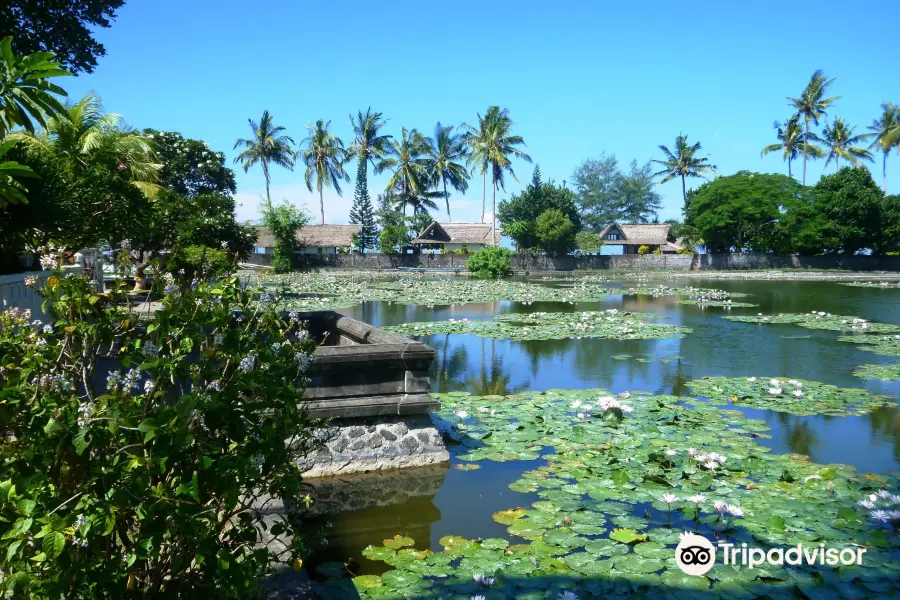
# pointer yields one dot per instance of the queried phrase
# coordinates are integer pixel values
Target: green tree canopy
(447, 149)
(190, 167)
(555, 232)
(744, 211)
(850, 202)
(606, 194)
(519, 214)
(64, 28)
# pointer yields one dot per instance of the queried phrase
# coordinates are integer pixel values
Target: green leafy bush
(201, 262)
(657, 251)
(587, 242)
(283, 221)
(555, 232)
(643, 249)
(136, 455)
(392, 239)
(492, 262)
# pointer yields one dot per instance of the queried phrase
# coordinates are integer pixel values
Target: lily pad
(783, 394)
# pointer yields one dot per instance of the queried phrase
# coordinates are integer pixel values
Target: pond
(462, 502)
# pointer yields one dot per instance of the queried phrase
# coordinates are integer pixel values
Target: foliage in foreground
(492, 262)
(625, 477)
(138, 455)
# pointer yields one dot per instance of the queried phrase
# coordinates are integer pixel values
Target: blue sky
(579, 78)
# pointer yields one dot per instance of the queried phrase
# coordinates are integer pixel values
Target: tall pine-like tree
(536, 178)
(362, 213)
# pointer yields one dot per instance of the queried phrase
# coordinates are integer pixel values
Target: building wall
(622, 262)
(14, 293)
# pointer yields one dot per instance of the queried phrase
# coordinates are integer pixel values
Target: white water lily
(883, 494)
(580, 416)
(774, 382)
(719, 506)
(711, 465)
(880, 515)
(625, 395)
(700, 457)
(691, 451)
(671, 452)
(775, 391)
(751, 379)
(697, 499)
(668, 499)
(798, 393)
(567, 595)
(795, 383)
(734, 511)
(588, 407)
(483, 409)
(461, 414)
(575, 404)
(715, 456)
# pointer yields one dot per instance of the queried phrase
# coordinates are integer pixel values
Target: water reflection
(716, 347)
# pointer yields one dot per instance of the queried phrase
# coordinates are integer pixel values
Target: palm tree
(493, 145)
(269, 144)
(886, 130)
(684, 163)
(84, 135)
(408, 159)
(792, 142)
(840, 143)
(324, 155)
(369, 146)
(26, 95)
(477, 139)
(812, 106)
(446, 149)
(11, 190)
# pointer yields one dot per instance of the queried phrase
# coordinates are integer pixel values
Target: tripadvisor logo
(695, 555)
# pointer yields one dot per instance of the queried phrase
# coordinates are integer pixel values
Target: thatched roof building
(453, 236)
(327, 237)
(634, 235)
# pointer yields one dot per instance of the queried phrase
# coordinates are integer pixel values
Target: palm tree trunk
(805, 148)
(683, 190)
(494, 214)
(265, 167)
(789, 168)
(884, 170)
(447, 200)
(483, 193)
(321, 204)
(837, 161)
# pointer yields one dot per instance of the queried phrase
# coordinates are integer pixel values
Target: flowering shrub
(138, 455)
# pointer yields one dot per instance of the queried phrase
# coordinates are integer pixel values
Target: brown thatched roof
(639, 234)
(456, 233)
(314, 236)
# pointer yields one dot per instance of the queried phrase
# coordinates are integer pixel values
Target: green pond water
(431, 504)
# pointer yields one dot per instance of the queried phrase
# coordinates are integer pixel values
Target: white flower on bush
(247, 363)
(150, 350)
